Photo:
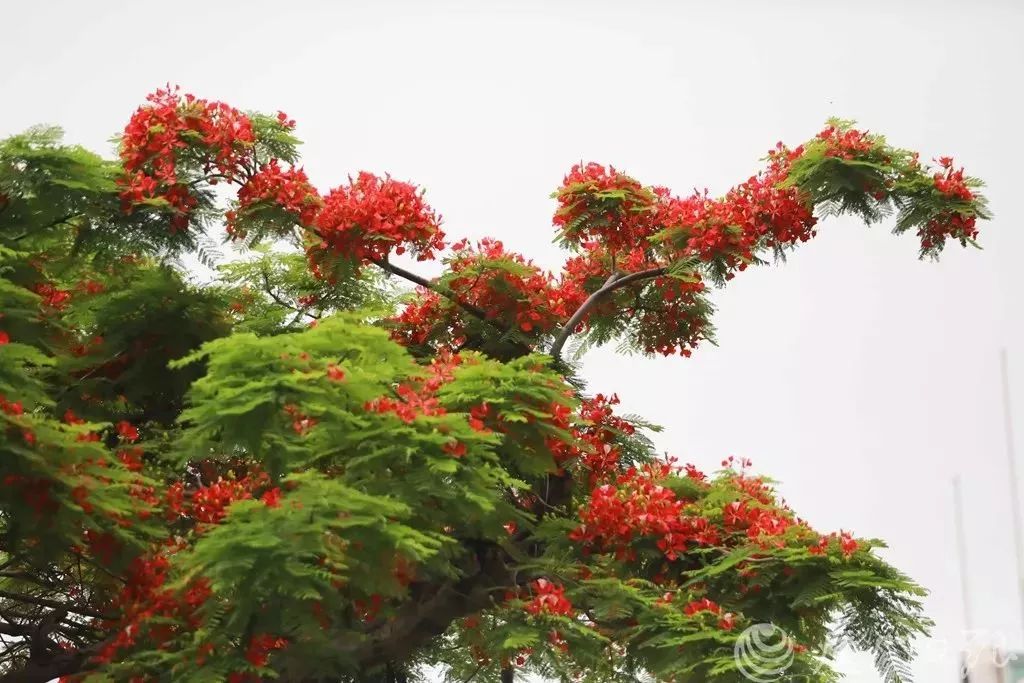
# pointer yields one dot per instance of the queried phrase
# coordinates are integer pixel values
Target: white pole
(961, 551)
(1011, 458)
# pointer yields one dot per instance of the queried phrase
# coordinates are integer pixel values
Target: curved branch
(427, 284)
(475, 311)
(613, 283)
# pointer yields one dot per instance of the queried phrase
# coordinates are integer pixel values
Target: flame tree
(324, 467)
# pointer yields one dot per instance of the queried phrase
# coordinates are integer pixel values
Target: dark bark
(53, 663)
(430, 615)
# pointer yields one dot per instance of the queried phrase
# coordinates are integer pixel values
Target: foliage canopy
(303, 471)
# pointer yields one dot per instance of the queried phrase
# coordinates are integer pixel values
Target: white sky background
(858, 376)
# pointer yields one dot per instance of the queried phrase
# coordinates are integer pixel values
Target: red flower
(13, 408)
(595, 202)
(639, 506)
(286, 189)
(555, 638)
(477, 414)
(456, 449)
(301, 423)
(548, 598)
(272, 498)
(131, 459)
(80, 495)
(260, 647)
(4, 338)
(702, 605)
(157, 138)
(507, 287)
(210, 503)
(372, 217)
(127, 431)
(283, 119)
(847, 543)
(334, 373)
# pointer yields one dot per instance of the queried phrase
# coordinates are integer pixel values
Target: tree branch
(269, 289)
(44, 602)
(613, 283)
(427, 284)
(475, 311)
(54, 224)
(54, 665)
(430, 615)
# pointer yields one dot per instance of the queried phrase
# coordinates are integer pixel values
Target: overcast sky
(861, 378)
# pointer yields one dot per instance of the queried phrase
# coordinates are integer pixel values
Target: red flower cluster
(159, 133)
(666, 319)
(521, 294)
(847, 544)
(208, 504)
(151, 612)
(414, 325)
(950, 182)
(676, 323)
(372, 217)
(548, 598)
(36, 492)
(758, 522)
(584, 274)
(288, 189)
(950, 223)
(131, 458)
(588, 272)
(260, 647)
(597, 427)
(847, 143)
(504, 285)
(410, 404)
(623, 216)
(127, 431)
(419, 398)
(755, 214)
(638, 506)
(602, 423)
(13, 408)
(601, 203)
(301, 423)
(727, 620)
(52, 297)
